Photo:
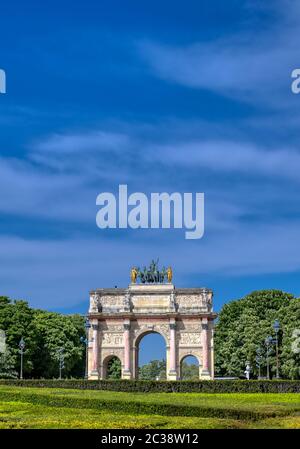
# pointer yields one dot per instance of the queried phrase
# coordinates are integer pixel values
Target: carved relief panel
(189, 338)
(190, 302)
(112, 303)
(112, 339)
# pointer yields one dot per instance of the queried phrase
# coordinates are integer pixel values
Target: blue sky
(162, 96)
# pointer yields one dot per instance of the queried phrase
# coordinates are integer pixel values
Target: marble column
(172, 370)
(126, 371)
(95, 349)
(205, 350)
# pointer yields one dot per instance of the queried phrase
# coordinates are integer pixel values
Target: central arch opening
(151, 356)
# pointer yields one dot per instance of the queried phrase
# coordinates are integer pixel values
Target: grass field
(22, 407)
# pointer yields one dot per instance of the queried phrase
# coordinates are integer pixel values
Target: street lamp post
(85, 340)
(268, 342)
(276, 327)
(22, 347)
(258, 360)
(61, 359)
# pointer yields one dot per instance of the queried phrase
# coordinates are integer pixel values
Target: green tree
(189, 371)
(243, 326)
(16, 319)
(290, 340)
(155, 369)
(55, 331)
(114, 368)
(7, 365)
(44, 334)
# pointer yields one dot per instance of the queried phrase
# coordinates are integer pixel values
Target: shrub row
(139, 407)
(145, 386)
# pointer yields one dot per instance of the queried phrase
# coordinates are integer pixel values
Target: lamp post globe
(22, 344)
(276, 326)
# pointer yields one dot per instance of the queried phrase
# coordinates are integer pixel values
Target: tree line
(243, 326)
(241, 330)
(44, 333)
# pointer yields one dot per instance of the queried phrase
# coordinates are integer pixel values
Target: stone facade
(120, 318)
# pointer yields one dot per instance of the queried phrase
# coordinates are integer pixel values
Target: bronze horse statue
(152, 275)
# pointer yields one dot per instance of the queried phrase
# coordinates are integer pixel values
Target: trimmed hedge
(145, 386)
(140, 407)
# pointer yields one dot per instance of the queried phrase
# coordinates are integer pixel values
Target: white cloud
(61, 273)
(84, 152)
(251, 66)
(62, 175)
(64, 185)
(97, 141)
(28, 191)
(230, 157)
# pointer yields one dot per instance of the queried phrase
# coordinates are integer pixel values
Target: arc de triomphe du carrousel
(121, 317)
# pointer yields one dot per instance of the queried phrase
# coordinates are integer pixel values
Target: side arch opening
(112, 367)
(189, 368)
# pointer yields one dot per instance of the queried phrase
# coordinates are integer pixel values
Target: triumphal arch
(120, 317)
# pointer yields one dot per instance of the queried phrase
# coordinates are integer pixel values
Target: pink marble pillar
(205, 350)
(95, 346)
(172, 348)
(126, 348)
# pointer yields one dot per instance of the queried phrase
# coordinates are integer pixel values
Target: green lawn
(23, 407)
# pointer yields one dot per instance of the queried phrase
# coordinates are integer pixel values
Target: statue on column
(133, 275)
(173, 306)
(169, 274)
(94, 303)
